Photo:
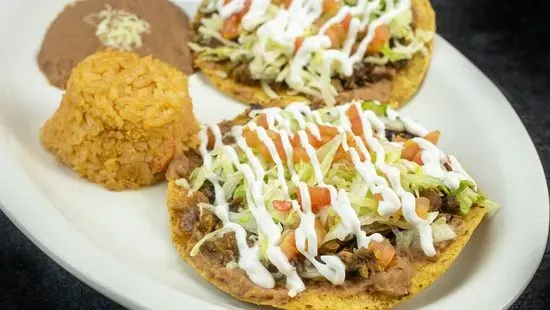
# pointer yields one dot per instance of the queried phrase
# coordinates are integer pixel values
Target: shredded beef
(392, 134)
(225, 130)
(182, 166)
(434, 198)
(450, 205)
(241, 74)
(189, 219)
(364, 74)
(235, 204)
(208, 222)
(221, 251)
(208, 190)
(362, 261)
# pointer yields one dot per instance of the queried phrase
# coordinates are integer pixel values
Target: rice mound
(122, 119)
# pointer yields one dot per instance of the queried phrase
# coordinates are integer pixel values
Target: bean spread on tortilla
(73, 35)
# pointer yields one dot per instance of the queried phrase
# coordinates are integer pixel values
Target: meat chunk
(361, 261)
(221, 251)
(364, 74)
(225, 130)
(434, 198)
(242, 75)
(391, 135)
(235, 204)
(450, 205)
(189, 219)
(182, 166)
(207, 223)
(208, 190)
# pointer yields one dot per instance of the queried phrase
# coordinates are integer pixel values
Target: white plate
(119, 243)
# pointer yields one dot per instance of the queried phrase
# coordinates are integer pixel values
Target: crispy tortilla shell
(398, 91)
(319, 295)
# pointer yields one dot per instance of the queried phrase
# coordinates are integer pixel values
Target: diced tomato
(409, 150)
(288, 245)
(296, 141)
(381, 37)
(433, 137)
(418, 158)
(276, 138)
(251, 138)
(319, 197)
(331, 6)
(422, 207)
(355, 119)
(262, 121)
(346, 22)
(299, 155)
(230, 27)
(336, 34)
(254, 142)
(327, 132)
(285, 3)
(383, 252)
(298, 43)
(282, 205)
(341, 155)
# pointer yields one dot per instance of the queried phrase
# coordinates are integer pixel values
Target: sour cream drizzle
(389, 187)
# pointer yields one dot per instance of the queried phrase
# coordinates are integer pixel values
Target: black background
(506, 39)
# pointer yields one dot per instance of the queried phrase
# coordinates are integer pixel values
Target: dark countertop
(505, 39)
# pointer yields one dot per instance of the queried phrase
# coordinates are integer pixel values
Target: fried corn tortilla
(320, 296)
(397, 91)
(407, 275)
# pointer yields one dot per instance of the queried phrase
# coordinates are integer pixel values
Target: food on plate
(158, 28)
(122, 120)
(351, 206)
(330, 51)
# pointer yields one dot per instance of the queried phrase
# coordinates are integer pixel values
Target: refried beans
(71, 37)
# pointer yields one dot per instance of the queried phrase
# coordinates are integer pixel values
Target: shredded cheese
(118, 29)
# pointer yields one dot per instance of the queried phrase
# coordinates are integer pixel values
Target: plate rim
(112, 286)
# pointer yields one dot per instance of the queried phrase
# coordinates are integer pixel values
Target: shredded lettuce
(240, 191)
(467, 197)
(232, 181)
(379, 109)
(198, 176)
(400, 22)
(418, 182)
(326, 153)
(442, 232)
(338, 231)
(394, 56)
(263, 241)
(245, 219)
